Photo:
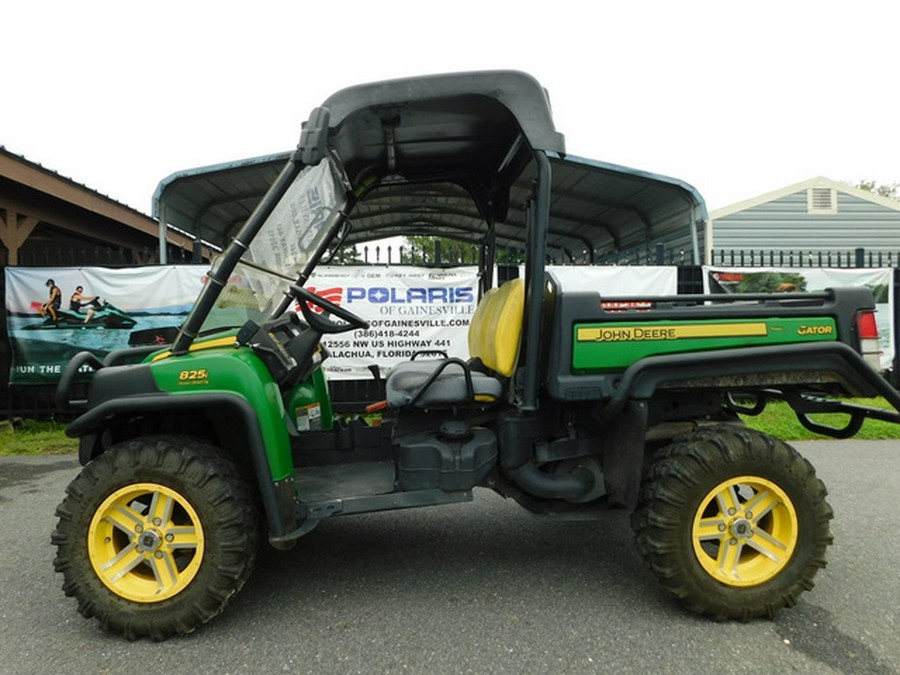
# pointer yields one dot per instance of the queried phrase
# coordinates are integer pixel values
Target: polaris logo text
(380, 295)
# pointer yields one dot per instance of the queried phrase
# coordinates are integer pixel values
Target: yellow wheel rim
(145, 542)
(745, 531)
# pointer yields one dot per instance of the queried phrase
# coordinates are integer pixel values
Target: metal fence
(858, 257)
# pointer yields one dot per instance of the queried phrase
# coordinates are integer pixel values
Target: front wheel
(155, 536)
(733, 522)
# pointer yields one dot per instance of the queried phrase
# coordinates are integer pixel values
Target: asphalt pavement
(472, 588)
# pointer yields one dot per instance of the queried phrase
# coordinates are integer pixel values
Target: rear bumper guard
(805, 404)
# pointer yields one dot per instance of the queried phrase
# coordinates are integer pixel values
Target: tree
(888, 190)
(347, 255)
(423, 250)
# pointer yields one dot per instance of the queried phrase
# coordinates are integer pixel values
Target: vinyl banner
(116, 309)
(409, 309)
(810, 279)
(618, 281)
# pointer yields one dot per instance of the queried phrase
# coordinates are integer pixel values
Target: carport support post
(696, 222)
(162, 233)
(197, 250)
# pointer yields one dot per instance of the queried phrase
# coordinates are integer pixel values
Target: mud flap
(623, 454)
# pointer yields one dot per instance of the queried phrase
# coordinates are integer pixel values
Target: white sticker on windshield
(293, 230)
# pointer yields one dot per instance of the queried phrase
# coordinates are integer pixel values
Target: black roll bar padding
(432, 378)
(68, 379)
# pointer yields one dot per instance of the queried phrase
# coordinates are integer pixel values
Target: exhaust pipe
(573, 486)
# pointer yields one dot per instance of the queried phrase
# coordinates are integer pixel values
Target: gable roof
(18, 170)
(817, 182)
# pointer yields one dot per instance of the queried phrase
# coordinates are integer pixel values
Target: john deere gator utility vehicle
(568, 400)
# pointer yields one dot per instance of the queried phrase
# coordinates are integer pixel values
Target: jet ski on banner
(104, 316)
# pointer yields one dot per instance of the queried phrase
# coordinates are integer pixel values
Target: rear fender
(752, 368)
(736, 369)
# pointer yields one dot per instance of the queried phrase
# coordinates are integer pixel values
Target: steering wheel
(320, 323)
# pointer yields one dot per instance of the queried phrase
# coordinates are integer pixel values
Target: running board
(312, 512)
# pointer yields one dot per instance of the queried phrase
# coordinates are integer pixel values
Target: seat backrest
(496, 327)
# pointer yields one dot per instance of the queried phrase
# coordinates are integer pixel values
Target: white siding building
(812, 223)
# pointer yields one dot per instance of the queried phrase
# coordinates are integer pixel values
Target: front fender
(277, 496)
(225, 381)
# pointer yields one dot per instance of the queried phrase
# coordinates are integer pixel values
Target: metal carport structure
(451, 155)
(596, 208)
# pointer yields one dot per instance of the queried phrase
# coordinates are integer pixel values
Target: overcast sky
(736, 98)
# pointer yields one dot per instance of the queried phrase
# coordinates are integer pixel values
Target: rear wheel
(733, 522)
(155, 536)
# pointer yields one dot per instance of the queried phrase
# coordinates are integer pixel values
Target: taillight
(869, 346)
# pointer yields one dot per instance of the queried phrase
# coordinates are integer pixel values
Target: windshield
(288, 245)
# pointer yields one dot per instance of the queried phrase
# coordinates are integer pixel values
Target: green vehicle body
(240, 371)
(571, 400)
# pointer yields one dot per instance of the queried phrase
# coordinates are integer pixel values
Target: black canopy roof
(446, 156)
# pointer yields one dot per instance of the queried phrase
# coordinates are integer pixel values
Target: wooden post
(15, 229)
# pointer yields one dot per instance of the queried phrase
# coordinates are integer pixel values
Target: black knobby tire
(697, 530)
(155, 536)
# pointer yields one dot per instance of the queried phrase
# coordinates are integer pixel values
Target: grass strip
(779, 420)
(33, 437)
